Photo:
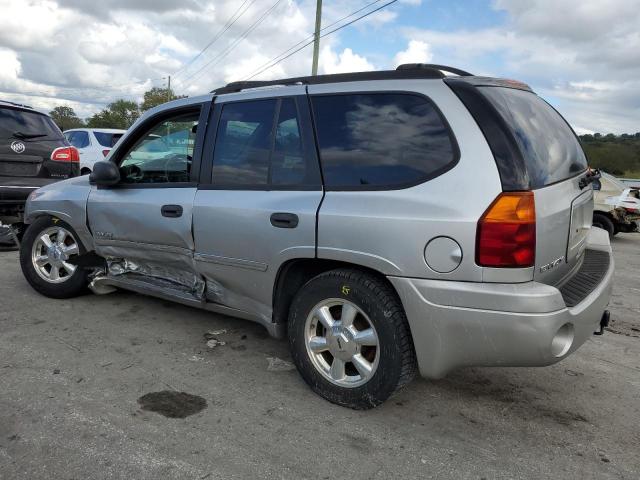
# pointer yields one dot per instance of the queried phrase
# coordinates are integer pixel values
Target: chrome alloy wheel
(342, 343)
(51, 252)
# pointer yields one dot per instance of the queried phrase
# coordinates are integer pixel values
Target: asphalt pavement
(82, 380)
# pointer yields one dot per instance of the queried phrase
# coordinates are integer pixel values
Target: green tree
(616, 154)
(157, 96)
(65, 118)
(119, 114)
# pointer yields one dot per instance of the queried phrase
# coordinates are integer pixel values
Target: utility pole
(316, 38)
(169, 88)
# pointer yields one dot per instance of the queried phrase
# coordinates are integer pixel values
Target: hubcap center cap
(340, 342)
(56, 254)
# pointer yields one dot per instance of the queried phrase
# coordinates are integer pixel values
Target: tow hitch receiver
(604, 322)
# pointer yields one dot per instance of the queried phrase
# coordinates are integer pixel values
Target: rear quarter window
(381, 140)
(107, 139)
(550, 150)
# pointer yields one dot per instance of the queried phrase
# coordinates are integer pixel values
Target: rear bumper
(457, 324)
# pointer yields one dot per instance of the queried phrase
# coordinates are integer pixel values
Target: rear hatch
(27, 139)
(538, 152)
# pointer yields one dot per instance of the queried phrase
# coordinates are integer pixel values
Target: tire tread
(393, 311)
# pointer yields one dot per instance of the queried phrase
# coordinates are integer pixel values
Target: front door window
(164, 154)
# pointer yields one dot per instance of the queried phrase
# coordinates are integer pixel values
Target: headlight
(33, 195)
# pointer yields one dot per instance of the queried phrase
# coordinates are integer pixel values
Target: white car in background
(93, 144)
(616, 205)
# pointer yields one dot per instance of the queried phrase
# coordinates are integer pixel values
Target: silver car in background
(384, 222)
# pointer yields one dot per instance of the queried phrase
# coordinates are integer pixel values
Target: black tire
(376, 298)
(74, 285)
(604, 222)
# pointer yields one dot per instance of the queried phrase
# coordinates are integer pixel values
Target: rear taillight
(506, 235)
(105, 152)
(66, 154)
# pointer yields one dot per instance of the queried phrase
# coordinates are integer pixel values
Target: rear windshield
(107, 139)
(27, 125)
(550, 149)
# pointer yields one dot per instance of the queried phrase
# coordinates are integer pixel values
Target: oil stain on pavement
(172, 404)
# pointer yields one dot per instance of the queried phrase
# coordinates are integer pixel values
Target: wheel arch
(295, 273)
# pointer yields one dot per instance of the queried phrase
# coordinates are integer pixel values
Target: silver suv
(385, 222)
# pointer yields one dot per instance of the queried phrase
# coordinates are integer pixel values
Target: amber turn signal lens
(506, 234)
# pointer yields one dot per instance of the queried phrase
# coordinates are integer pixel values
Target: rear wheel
(45, 251)
(350, 338)
(605, 223)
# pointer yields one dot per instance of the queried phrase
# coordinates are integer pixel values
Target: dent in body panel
(184, 280)
(134, 215)
(237, 249)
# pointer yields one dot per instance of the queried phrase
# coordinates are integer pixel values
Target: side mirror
(105, 174)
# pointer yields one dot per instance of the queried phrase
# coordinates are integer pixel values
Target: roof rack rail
(398, 74)
(433, 66)
(16, 104)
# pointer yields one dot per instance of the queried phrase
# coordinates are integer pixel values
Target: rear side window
(381, 140)
(259, 143)
(550, 150)
(27, 125)
(107, 139)
(78, 139)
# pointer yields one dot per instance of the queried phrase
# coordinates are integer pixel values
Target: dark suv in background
(33, 153)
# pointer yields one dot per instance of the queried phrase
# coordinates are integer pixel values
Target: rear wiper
(591, 176)
(26, 136)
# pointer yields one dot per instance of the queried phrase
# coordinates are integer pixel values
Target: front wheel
(350, 339)
(45, 251)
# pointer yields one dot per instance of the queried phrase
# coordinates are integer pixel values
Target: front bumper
(458, 324)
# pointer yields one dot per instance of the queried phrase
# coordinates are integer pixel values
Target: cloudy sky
(581, 55)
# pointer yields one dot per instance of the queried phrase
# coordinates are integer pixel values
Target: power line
(228, 50)
(273, 63)
(355, 12)
(230, 21)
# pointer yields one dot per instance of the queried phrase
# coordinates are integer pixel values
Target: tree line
(118, 114)
(616, 154)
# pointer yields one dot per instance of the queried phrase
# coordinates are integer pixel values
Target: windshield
(27, 125)
(550, 149)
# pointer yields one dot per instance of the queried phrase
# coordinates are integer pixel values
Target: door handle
(284, 220)
(171, 211)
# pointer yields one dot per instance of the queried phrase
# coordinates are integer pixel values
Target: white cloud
(86, 54)
(10, 66)
(347, 61)
(582, 56)
(417, 52)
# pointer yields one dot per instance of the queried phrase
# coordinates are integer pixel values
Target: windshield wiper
(26, 136)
